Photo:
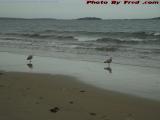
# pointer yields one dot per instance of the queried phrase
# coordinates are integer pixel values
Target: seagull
(108, 61)
(30, 57)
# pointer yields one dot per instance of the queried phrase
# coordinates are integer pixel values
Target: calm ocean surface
(130, 42)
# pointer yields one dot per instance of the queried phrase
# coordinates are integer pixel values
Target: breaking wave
(41, 36)
(132, 41)
(127, 34)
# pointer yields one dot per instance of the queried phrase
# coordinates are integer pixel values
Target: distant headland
(157, 18)
(89, 18)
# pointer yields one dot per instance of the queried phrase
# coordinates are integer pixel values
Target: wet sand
(132, 80)
(27, 96)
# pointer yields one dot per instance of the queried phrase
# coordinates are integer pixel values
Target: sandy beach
(26, 96)
(59, 89)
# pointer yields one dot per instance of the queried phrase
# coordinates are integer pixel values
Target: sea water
(129, 42)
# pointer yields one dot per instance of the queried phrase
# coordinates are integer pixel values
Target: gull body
(108, 61)
(30, 57)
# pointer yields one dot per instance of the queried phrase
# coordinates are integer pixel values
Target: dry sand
(26, 96)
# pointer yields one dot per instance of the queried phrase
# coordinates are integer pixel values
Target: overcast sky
(69, 9)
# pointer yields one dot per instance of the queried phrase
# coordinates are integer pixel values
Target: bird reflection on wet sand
(109, 69)
(30, 65)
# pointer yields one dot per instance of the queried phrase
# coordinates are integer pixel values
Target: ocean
(128, 42)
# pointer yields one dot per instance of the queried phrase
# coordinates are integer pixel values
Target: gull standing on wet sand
(30, 57)
(108, 61)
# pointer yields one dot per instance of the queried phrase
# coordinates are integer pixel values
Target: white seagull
(30, 57)
(108, 61)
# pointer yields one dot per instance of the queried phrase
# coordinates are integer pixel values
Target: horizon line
(76, 18)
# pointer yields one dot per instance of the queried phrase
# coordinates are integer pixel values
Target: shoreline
(136, 81)
(34, 96)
